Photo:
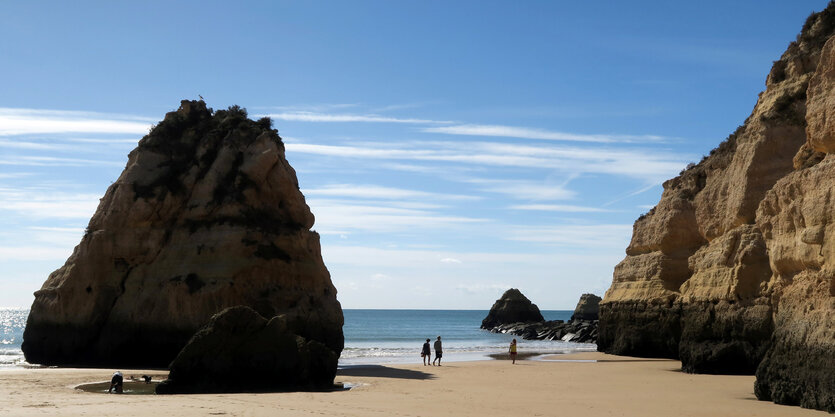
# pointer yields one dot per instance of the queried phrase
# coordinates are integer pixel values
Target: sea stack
(588, 308)
(512, 307)
(207, 215)
(734, 270)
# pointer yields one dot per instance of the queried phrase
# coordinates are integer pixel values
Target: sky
(449, 150)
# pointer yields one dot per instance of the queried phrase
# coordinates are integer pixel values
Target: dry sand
(612, 386)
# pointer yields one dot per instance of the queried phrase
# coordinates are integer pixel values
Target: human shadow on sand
(379, 371)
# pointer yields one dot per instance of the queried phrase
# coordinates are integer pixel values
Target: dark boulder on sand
(206, 215)
(512, 307)
(241, 351)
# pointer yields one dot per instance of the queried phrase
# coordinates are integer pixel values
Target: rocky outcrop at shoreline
(207, 215)
(582, 328)
(734, 270)
(577, 331)
(512, 307)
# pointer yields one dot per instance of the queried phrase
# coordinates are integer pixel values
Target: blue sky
(449, 150)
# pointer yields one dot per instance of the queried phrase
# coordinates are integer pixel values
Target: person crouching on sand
(512, 351)
(116, 382)
(439, 351)
(426, 353)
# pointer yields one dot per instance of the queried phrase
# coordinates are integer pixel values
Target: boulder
(206, 215)
(241, 351)
(512, 307)
(588, 308)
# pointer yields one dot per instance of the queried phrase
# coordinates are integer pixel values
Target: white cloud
(559, 208)
(525, 190)
(31, 121)
(480, 288)
(344, 216)
(34, 253)
(451, 261)
(533, 133)
(306, 116)
(380, 192)
(649, 165)
(594, 236)
(36, 203)
(57, 161)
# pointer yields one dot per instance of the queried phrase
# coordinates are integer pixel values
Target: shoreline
(588, 384)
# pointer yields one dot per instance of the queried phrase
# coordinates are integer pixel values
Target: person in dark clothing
(426, 353)
(116, 383)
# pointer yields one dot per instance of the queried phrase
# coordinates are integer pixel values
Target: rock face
(582, 328)
(241, 351)
(512, 307)
(734, 270)
(588, 308)
(206, 215)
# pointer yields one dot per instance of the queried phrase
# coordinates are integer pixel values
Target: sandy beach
(587, 384)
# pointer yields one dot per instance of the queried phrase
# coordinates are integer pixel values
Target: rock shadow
(379, 371)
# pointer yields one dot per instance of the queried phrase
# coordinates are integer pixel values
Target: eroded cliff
(206, 215)
(734, 264)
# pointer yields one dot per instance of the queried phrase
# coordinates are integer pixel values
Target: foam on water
(12, 323)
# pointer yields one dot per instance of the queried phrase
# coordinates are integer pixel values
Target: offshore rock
(734, 270)
(512, 307)
(206, 215)
(241, 351)
(582, 328)
(588, 308)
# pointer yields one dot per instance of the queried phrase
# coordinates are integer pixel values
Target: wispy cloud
(347, 216)
(608, 236)
(380, 192)
(533, 133)
(646, 164)
(306, 116)
(46, 161)
(38, 203)
(559, 208)
(451, 261)
(525, 189)
(480, 288)
(32, 121)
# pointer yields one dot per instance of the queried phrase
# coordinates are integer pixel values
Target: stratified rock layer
(206, 215)
(512, 307)
(241, 351)
(732, 271)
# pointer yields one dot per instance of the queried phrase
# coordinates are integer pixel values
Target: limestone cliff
(206, 215)
(734, 264)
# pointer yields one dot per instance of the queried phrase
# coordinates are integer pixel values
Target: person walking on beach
(439, 351)
(426, 353)
(512, 351)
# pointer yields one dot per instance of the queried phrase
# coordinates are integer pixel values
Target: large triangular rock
(512, 307)
(206, 215)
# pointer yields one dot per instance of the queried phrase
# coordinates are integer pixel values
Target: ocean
(373, 336)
